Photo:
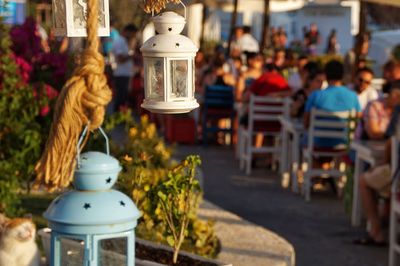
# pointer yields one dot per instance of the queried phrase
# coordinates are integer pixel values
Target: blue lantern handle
(180, 2)
(82, 137)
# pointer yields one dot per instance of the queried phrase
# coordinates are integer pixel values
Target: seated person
(334, 98)
(253, 72)
(296, 78)
(394, 120)
(216, 75)
(377, 180)
(314, 82)
(362, 86)
(271, 83)
(377, 115)
(391, 73)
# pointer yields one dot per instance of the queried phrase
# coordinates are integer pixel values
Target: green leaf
(162, 196)
(170, 240)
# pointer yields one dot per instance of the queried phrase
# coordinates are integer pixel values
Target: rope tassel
(82, 101)
(156, 5)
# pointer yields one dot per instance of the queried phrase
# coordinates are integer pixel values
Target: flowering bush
(39, 66)
(26, 41)
(26, 101)
(51, 68)
(20, 131)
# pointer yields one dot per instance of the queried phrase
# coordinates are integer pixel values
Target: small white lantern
(169, 67)
(69, 18)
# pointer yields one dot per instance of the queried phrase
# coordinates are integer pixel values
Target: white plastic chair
(327, 125)
(263, 118)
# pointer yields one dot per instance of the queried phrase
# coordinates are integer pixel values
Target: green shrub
(148, 175)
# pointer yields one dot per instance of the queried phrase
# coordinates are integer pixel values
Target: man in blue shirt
(334, 98)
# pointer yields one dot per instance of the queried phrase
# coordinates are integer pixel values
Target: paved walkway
(244, 243)
(320, 231)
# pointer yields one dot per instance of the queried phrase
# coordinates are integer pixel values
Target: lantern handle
(184, 9)
(82, 138)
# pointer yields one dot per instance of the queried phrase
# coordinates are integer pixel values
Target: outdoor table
(367, 151)
(288, 168)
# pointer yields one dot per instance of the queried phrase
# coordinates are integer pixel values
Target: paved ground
(244, 243)
(320, 231)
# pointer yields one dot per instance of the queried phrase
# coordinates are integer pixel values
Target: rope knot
(83, 99)
(92, 63)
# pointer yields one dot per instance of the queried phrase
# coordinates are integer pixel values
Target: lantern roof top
(94, 207)
(169, 17)
(93, 162)
(81, 212)
(168, 25)
(166, 43)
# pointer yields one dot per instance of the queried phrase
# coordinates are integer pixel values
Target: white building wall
(327, 18)
(342, 17)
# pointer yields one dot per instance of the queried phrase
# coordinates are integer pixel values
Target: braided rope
(82, 101)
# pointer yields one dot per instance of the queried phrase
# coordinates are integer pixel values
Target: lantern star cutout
(108, 180)
(122, 203)
(87, 206)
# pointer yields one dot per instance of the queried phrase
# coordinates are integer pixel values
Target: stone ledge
(244, 243)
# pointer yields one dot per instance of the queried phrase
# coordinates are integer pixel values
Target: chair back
(264, 112)
(335, 128)
(219, 96)
(218, 104)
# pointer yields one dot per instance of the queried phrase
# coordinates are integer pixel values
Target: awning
(385, 2)
(275, 5)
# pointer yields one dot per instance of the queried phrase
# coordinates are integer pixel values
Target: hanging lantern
(169, 67)
(69, 18)
(93, 212)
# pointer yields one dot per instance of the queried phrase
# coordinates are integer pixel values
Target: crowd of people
(311, 85)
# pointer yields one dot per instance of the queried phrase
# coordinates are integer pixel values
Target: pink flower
(45, 110)
(51, 93)
(24, 67)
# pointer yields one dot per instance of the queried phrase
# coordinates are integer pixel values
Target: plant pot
(74, 251)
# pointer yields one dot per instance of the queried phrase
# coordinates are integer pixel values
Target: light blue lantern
(93, 211)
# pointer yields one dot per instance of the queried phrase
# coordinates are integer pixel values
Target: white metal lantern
(169, 67)
(69, 18)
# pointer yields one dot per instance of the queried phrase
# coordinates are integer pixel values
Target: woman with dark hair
(314, 82)
(216, 75)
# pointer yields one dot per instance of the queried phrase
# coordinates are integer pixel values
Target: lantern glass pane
(155, 78)
(59, 14)
(80, 13)
(179, 78)
(72, 252)
(117, 245)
